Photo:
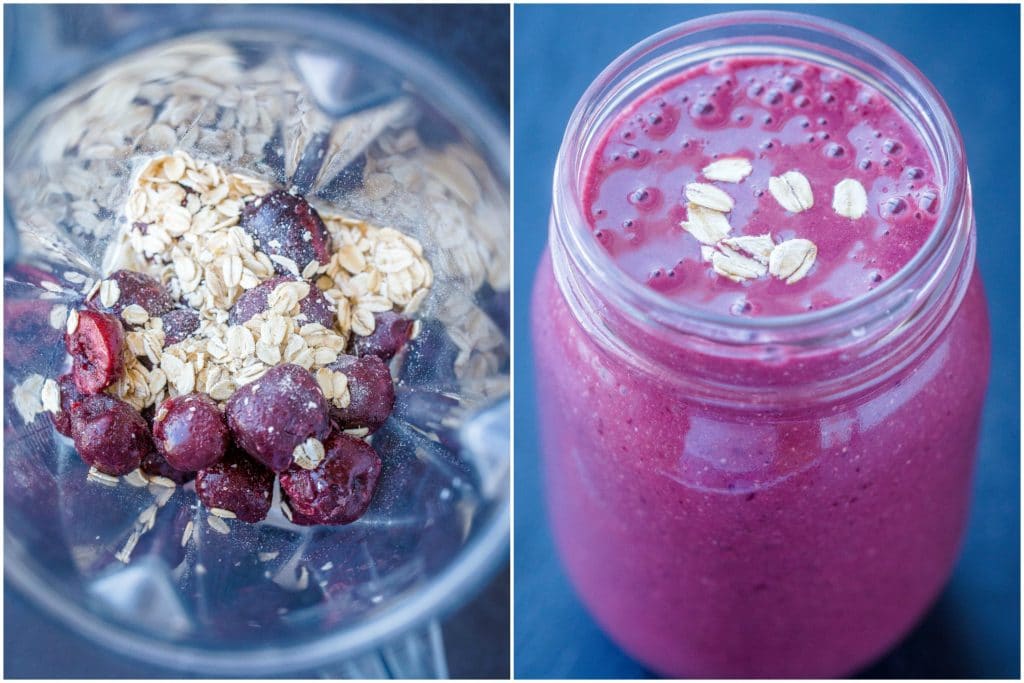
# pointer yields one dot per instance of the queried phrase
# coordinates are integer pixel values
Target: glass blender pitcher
(357, 122)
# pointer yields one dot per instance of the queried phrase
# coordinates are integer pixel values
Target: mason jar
(776, 496)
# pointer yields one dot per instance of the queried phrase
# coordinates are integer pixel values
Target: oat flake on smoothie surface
(748, 146)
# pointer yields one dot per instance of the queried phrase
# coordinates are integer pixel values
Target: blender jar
(360, 125)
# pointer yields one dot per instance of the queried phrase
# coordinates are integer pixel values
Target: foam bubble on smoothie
(735, 124)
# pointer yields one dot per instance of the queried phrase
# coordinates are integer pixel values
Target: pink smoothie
(798, 540)
(781, 116)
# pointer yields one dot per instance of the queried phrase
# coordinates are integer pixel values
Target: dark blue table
(972, 55)
(473, 43)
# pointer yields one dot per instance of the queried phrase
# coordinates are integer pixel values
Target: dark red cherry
(237, 483)
(339, 489)
(276, 413)
(190, 432)
(371, 392)
(315, 307)
(95, 348)
(286, 225)
(109, 434)
(389, 335)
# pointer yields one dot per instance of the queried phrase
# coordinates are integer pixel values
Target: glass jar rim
(646, 303)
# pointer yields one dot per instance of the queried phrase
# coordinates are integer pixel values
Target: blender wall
(354, 136)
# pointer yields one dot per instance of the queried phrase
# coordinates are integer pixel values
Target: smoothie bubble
(893, 207)
(891, 147)
(645, 198)
(834, 151)
(741, 307)
(703, 109)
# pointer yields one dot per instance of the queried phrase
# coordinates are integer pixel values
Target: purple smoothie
(784, 537)
(780, 116)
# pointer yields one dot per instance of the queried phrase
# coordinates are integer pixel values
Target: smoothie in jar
(762, 352)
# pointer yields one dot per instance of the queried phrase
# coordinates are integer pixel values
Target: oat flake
(72, 321)
(163, 482)
(728, 170)
(110, 292)
(707, 225)
(791, 259)
(58, 316)
(135, 315)
(218, 524)
(27, 397)
(850, 200)
(736, 266)
(792, 191)
(97, 476)
(136, 478)
(709, 197)
(758, 247)
(50, 395)
(309, 454)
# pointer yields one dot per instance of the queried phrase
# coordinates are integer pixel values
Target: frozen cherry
(179, 324)
(315, 307)
(371, 392)
(237, 483)
(109, 434)
(70, 398)
(302, 520)
(388, 337)
(95, 348)
(156, 465)
(286, 225)
(339, 489)
(276, 413)
(138, 289)
(190, 432)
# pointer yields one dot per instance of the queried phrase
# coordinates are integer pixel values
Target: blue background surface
(972, 55)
